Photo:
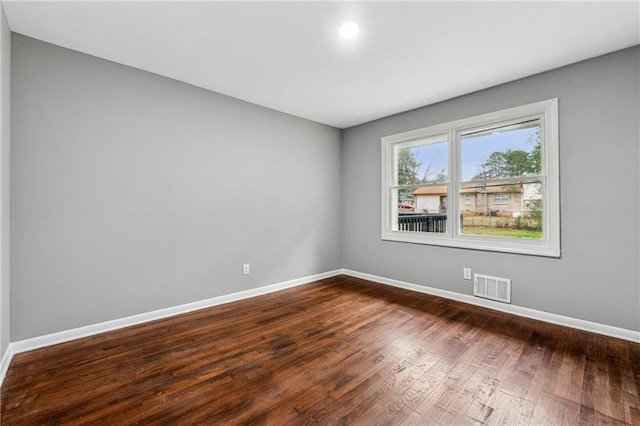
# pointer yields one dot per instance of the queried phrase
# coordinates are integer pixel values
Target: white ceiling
(288, 56)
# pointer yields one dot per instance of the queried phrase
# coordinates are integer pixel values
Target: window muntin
(503, 168)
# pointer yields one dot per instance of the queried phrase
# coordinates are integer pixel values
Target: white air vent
(492, 287)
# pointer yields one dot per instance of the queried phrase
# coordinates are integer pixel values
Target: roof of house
(442, 190)
(431, 190)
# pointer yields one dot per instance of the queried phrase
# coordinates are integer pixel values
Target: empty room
(399, 213)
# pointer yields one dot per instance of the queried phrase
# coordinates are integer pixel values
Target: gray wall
(597, 277)
(132, 192)
(5, 157)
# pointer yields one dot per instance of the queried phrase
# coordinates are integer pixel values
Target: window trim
(549, 245)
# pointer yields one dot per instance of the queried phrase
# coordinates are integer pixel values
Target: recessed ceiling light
(349, 30)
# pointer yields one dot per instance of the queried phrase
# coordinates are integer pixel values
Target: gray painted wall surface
(5, 162)
(597, 277)
(132, 192)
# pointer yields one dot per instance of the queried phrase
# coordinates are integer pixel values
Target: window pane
(422, 209)
(501, 152)
(506, 210)
(420, 199)
(422, 161)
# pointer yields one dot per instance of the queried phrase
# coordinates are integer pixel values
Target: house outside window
(489, 182)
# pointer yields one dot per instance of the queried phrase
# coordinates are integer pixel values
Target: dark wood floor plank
(338, 351)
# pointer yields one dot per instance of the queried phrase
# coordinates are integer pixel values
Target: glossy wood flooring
(338, 351)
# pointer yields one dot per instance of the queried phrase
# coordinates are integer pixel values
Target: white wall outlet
(245, 269)
(466, 273)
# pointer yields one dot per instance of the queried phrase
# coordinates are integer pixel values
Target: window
(489, 182)
(500, 198)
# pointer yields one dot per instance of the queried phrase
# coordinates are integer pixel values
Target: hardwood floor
(338, 351)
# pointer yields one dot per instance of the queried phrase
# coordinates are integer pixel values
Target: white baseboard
(607, 330)
(90, 330)
(77, 333)
(4, 364)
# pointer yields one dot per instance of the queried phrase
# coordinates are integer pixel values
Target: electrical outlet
(245, 269)
(466, 273)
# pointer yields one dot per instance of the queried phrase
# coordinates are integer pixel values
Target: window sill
(502, 245)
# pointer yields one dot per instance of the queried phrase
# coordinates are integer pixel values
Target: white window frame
(547, 112)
